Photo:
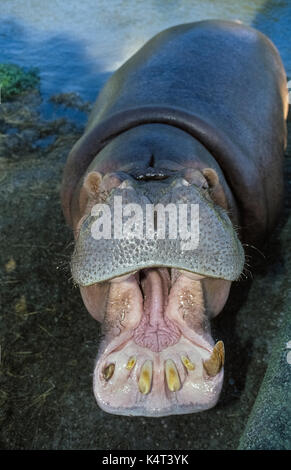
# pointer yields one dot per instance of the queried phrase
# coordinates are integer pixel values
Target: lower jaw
(121, 394)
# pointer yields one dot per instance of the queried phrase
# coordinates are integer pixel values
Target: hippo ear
(92, 183)
(89, 191)
(216, 190)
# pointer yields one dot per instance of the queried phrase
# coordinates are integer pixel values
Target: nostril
(150, 174)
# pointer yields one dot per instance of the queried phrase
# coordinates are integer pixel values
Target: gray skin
(203, 103)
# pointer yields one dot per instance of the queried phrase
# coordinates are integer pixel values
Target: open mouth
(157, 357)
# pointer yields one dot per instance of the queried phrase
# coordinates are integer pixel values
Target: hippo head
(154, 259)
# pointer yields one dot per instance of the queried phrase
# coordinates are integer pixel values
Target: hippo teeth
(187, 363)
(145, 379)
(214, 364)
(172, 376)
(131, 363)
(108, 372)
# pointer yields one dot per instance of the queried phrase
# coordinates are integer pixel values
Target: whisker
(254, 248)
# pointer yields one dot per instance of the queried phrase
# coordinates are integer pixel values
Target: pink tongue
(155, 331)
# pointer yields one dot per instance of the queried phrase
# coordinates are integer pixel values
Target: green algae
(15, 80)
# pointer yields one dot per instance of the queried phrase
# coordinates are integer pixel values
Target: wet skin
(175, 124)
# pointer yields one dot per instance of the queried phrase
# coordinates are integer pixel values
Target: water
(78, 44)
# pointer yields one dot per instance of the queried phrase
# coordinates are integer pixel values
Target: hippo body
(197, 114)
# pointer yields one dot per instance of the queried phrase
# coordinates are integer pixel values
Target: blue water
(77, 45)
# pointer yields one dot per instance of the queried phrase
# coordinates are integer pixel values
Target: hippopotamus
(195, 119)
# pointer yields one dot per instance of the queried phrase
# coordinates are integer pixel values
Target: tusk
(172, 376)
(145, 379)
(108, 371)
(214, 364)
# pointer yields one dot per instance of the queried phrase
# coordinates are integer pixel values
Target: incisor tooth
(187, 363)
(214, 364)
(131, 362)
(172, 376)
(108, 371)
(145, 379)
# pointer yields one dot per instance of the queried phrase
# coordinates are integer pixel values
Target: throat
(155, 331)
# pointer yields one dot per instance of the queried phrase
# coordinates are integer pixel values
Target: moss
(14, 80)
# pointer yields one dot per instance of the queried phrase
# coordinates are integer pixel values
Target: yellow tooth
(187, 363)
(145, 379)
(131, 362)
(108, 371)
(172, 376)
(214, 364)
(220, 346)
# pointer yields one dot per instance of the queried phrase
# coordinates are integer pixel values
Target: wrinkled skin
(177, 123)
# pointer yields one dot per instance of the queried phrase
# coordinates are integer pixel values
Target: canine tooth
(131, 362)
(214, 364)
(172, 376)
(108, 371)
(221, 351)
(187, 363)
(145, 379)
